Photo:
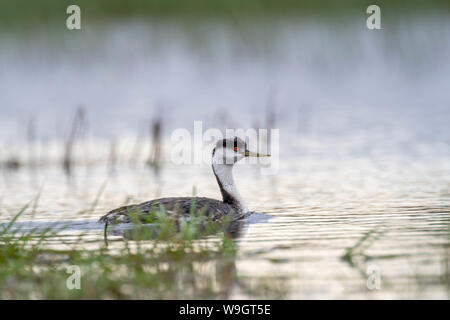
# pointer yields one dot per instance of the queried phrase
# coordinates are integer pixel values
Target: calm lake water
(364, 141)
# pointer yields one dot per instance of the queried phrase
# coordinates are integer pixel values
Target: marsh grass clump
(130, 270)
(162, 257)
(356, 255)
(154, 159)
(172, 263)
(76, 130)
(363, 243)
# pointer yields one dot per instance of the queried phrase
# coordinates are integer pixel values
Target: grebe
(225, 154)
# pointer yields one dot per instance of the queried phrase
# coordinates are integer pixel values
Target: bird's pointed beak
(255, 154)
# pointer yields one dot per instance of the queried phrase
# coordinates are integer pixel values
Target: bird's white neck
(224, 175)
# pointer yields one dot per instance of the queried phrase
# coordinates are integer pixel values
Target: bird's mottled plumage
(225, 154)
(212, 208)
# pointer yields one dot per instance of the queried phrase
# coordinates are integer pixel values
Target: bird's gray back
(176, 206)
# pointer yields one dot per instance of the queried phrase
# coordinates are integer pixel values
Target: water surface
(364, 142)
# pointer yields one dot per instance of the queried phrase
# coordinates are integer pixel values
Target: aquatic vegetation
(358, 249)
(178, 262)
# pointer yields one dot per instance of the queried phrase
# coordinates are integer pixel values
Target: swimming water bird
(225, 154)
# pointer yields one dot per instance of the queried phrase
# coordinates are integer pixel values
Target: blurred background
(314, 64)
(363, 116)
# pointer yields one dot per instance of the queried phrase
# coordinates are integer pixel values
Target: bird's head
(229, 151)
